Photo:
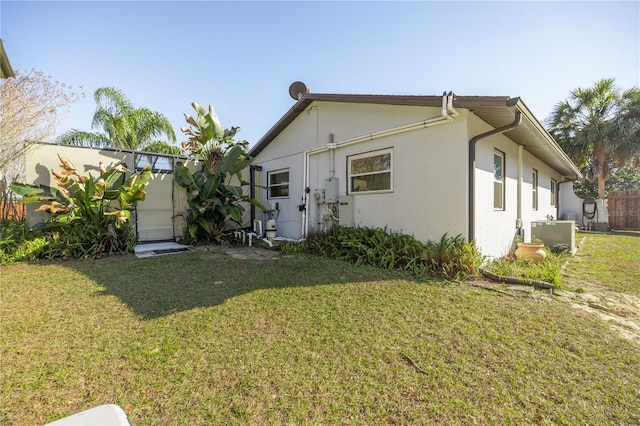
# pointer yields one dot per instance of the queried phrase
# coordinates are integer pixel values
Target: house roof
(6, 70)
(496, 111)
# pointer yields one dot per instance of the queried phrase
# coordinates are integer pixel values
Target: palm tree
(124, 126)
(599, 128)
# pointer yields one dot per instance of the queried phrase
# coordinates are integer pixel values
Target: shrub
(18, 241)
(547, 270)
(89, 216)
(451, 258)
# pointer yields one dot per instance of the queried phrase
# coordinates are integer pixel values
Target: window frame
(534, 189)
(286, 184)
(501, 181)
(163, 164)
(554, 192)
(368, 154)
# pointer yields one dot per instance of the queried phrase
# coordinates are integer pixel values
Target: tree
(30, 109)
(599, 128)
(626, 178)
(124, 126)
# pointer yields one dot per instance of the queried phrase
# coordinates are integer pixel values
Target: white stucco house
(480, 166)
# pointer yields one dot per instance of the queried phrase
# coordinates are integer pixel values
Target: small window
(498, 180)
(534, 189)
(371, 171)
(158, 163)
(554, 191)
(278, 183)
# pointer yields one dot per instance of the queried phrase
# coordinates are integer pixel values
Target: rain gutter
(472, 166)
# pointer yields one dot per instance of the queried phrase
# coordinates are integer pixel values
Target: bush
(18, 242)
(451, 258)
(89, 216)
(78, 239)
(548, 270)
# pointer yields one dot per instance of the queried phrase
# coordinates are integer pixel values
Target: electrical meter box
(345, 211)
(331, 190)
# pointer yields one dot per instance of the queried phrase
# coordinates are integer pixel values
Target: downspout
(252, 189)
(520, 178)
(472, 168)
(305, 195)
(332, 146)
(448, 113)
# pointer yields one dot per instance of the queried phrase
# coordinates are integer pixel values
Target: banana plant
(215, 192)
(89, 212)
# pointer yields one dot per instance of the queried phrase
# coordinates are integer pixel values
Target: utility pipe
(472, 167)
(332, 146)
(447, 115)
(520, 177)
(252, 189)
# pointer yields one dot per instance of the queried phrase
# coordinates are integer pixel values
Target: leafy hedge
(451, 257)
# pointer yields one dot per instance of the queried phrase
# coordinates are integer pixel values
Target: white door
(154, 215)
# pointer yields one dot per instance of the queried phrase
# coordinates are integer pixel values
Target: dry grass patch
(194, 339)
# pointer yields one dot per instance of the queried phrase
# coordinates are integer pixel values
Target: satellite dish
(297, 90)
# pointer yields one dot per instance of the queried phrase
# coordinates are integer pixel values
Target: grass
(196, 339)
(608, 260)
(548, 270)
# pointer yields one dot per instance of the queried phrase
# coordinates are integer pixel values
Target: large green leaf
(210, 187)
(26, 190)
(234, 190)
(207, 225)
(232, 161)
(113, 178)
(183, 175)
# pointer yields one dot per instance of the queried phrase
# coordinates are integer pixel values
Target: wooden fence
(624, 210)
(12, 210)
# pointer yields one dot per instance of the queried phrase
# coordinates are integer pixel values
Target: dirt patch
(239, 252)
(620, 310)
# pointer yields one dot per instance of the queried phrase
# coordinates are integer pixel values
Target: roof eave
(535, 133)
(570, 171)
(6, 70)
(284, 121)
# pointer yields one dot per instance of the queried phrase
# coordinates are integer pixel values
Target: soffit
(496, 111)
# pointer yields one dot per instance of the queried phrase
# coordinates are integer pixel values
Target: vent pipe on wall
(472, 168)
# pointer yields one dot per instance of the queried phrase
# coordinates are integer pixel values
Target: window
(554, 191)
(371, 171)
(278, 183)
(534, 189)
(498, 180)
(158, 163)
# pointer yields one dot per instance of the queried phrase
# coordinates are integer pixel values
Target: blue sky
(242, 56)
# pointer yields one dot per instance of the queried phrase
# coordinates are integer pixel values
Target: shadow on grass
(160, 286)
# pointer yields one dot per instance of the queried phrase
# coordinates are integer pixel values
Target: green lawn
(195, 339)
(611, 261)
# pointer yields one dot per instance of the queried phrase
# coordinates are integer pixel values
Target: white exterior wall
(429, 169)
(572, 208)
(495, 230)
(43, 158)
(430, 175)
